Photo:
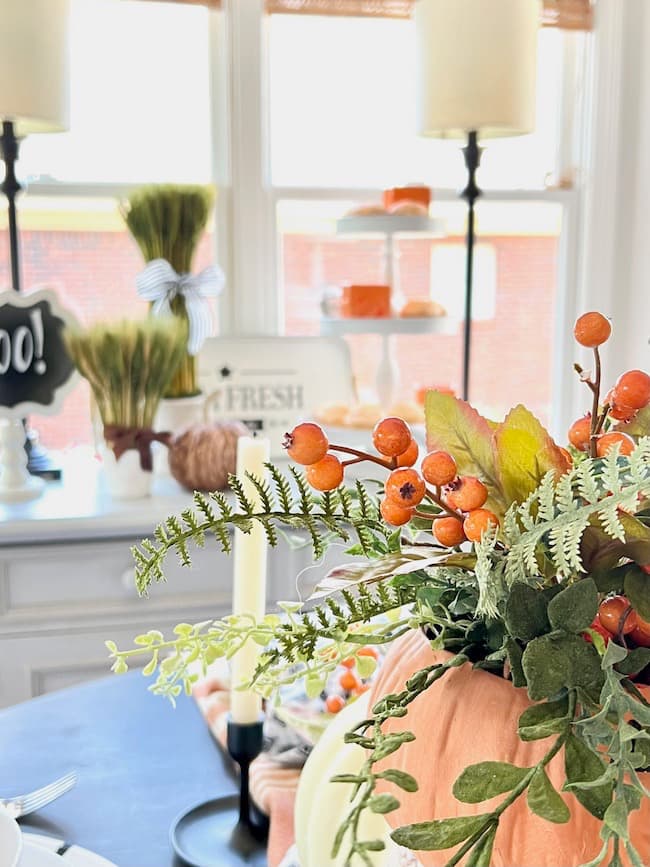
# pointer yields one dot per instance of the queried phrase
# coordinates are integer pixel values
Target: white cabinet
(66, 585)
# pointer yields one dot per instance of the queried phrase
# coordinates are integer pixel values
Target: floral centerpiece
(510, 576)
(167, 221)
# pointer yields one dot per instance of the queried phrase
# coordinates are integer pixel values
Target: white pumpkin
(321, 805)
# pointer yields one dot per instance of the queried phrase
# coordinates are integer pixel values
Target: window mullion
(252, 279)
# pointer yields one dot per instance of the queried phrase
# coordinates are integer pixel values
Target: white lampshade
(34, 64)
(476, 63)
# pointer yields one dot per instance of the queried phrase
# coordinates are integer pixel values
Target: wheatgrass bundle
(129, 365)
(167, 221)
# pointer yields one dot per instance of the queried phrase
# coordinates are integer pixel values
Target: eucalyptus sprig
(301, 645)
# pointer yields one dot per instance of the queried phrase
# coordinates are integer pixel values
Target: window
(343, 129)
(140, 113)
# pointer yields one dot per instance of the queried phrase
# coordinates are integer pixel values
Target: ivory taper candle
(249, 582)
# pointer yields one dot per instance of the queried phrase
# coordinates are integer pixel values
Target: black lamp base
(211, 835)
(229, 831)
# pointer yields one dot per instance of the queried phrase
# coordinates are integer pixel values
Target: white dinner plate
(73, 856)
(11, 840)
(36, 856)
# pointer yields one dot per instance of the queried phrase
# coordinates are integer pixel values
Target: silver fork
(24, 804)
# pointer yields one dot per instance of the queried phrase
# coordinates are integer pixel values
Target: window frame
(246, 239)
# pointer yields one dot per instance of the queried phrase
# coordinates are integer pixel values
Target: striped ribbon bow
(160, 284)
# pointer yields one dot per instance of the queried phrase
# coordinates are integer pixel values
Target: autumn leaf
(456, 427)
(524, 453)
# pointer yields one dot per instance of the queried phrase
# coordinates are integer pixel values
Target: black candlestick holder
(228, 831)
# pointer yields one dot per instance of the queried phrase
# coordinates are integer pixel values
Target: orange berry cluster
(461, 499)
(349, 681)
(630, 394)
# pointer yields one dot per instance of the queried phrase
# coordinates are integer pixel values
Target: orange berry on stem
(405, 487)
(449, 531)
(394, 514)
(368, 650)
(477, 522)
(391, 436)
(326, 474)
(606, 442)
(592, 329)
(306, 443)
(632, 389)
(410, 456)
(467, 494)
(334, 703)
(622, 413)
(348, 663)
(611, 612)
(580, 433)
(439, 468)
(348, 681)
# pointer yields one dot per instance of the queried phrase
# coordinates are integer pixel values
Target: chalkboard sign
(35, 369)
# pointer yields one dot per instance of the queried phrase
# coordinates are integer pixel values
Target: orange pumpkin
(470, 716)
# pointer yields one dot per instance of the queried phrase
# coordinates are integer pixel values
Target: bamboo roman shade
(567, 14)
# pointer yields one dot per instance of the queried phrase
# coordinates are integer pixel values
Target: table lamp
(34, 98)
(476, 65)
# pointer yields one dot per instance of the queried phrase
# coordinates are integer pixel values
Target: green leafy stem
(308, 644)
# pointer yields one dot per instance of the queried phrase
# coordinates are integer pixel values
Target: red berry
(477, 522)
(467, 494)
(334, 703)
(326, 474)
(410, 456)
(449, 531)
(306, 443)
(391, 436)
(632, 389)
(592, 329)
(616, 614)
(606, 442)
(394, 514)
(439, 468)
(405, 487)
(580, 433)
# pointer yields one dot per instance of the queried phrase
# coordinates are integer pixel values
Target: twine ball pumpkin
(202, 456)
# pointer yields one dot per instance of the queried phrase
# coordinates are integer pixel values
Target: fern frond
(335, 515)
(237, 487)
(282, 488)
(554, 517)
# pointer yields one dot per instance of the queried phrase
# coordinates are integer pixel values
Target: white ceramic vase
(174, 414)
(125, 478)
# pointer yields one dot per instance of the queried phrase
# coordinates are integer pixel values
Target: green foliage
(547, 528)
